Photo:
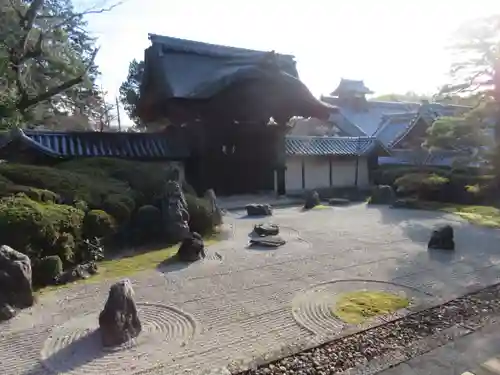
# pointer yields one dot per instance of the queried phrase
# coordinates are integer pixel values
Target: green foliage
(148, 224)
(147, 180)
(47, 270)
(38, 229)
(129, 90)
(70, 186)
(420, 183)
(120, 207)
(201, 220)
(98, 223)
(409, 96)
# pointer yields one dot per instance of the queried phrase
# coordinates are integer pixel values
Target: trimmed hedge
(98, 223)
(39, 229)
(70, 186)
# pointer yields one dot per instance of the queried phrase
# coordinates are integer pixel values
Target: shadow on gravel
(172, 264)
(72, 356)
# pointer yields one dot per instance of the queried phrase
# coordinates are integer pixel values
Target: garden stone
(338, 202)
(268, 241)
(383, 194)
(312, 200)
(192, 248)
(442, 238)
(259, 209)
(175, 212)
(214, 208)
(266, 229)
(79, 272)
(6, 312)
(119, 322)
(15, 278)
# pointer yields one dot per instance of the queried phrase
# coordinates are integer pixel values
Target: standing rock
(383, 194)
(312, 200)
(119, 322)
(175, 212)
(192, 248)
(214, 208)
(442, 238)
(259, 209)
(15, 278)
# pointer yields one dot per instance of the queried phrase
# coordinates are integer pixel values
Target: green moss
(356, 307)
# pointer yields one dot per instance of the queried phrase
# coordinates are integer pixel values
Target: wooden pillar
(281, 159)
(303, 170)
(330, 170)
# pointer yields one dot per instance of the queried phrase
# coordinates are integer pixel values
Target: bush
(98, 223)
(148, 224)
(422, 185)
(120, 207)
(34, 228)
(65, 247)
(47, 270)
(70, 186)
(201, 220)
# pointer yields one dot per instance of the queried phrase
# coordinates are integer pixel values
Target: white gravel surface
(238, 304)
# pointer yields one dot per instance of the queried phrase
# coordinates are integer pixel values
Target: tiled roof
(102, 144)
(393, 126)
(443, 158)
(341, 146)
(351, 86)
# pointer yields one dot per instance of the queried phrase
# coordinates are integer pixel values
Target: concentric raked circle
(75, 347)
(313, 309)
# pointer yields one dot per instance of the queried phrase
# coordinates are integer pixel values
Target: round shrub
(98, 223)
(201, 220)
(422, 185)
(34, 228)
(148, 224)
(47, 270)
(119, 206)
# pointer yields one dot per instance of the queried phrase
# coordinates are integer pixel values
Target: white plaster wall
(293, 174)
(317, 173)
(344, 173)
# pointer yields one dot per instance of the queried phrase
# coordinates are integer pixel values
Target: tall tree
(473, 75)
(409, 96)
(47, 59)
(129, 90)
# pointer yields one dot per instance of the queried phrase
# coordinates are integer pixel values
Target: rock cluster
(259, 209)
(119, 322)
(175, 212)
(192, 248)
(15, 282)
(442, 238)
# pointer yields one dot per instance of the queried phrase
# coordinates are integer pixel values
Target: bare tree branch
(26, 102)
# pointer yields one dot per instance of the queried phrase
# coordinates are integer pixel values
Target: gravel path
(248, 305)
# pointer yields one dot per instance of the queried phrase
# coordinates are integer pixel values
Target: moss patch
(480, 215)
(127, 265)
(356, 307)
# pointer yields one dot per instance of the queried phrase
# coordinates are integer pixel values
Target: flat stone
(259, 209)
(268, 241)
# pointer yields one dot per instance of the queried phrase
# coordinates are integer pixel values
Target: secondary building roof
(100, 144)
(339, 146)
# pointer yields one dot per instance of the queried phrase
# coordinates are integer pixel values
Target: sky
(394, 46)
